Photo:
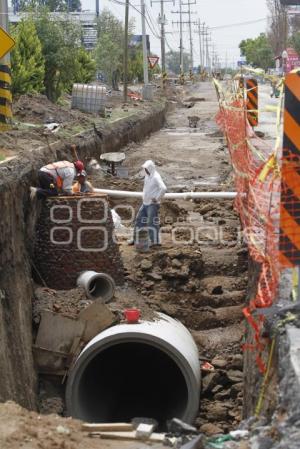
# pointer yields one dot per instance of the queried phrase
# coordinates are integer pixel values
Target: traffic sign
(153, 60)
(6, 42)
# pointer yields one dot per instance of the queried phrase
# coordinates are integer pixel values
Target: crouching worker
(57, 178)
(82, 185)
(148, 214)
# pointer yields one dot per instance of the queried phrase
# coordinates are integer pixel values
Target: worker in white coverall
(148, 214)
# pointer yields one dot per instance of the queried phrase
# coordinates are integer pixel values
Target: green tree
(110, 46)
(258, 52)
(109, 56)
(60, 42)
(27, 61)
(51, 5)
(173, 61)
(85, 70)
(109, 52)
(135, 64)
(295, 41)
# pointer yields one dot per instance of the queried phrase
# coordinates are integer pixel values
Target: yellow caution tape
(260, 402)
(271, 164)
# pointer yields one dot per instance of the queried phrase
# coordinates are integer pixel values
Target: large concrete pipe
(97, 285)
(150, 369)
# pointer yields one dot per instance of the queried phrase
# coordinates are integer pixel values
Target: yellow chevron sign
(6, 42)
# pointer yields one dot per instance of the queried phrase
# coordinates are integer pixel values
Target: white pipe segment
(97, 285)
(170, 196)
(149, 369)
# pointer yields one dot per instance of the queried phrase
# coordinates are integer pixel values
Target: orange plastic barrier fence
(257, 183)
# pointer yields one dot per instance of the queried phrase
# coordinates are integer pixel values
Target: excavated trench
(200, 279)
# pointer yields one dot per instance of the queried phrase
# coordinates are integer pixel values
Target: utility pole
(202, 39)
(181, 48)
(207, 50)
(200, 44)
(5, 75)
(162, 37)
(190, 31)
(125, 51)
(162, 22)
(181, 40)
(144, 37)
(181, 22)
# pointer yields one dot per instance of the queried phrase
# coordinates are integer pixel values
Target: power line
(136, 9)
(152, 22)
(250, 22)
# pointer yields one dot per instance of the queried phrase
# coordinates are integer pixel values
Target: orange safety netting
(258, 202)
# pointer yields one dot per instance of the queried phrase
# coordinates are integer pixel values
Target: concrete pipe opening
(150, 369)
(97, 285)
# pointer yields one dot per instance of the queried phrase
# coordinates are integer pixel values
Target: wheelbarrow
(113, 161)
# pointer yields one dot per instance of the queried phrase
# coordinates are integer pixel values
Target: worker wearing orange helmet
(57, 178)
(82, 185)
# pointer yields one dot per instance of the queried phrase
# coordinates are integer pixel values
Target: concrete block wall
(75, 234)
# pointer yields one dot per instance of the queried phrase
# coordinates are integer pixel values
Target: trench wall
(17, 232)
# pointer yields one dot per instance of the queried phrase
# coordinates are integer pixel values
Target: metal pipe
(149, 369)
(97, 285)
(169, 196)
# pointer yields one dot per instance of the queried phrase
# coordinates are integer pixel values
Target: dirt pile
(70, 303)
(37, 109)
(32, 112)
(171, 269)
(66, 302)
(20, 428)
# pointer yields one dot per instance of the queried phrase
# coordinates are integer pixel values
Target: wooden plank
(127, 436)
(107, 427)
(96, 317)
(57, 332)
